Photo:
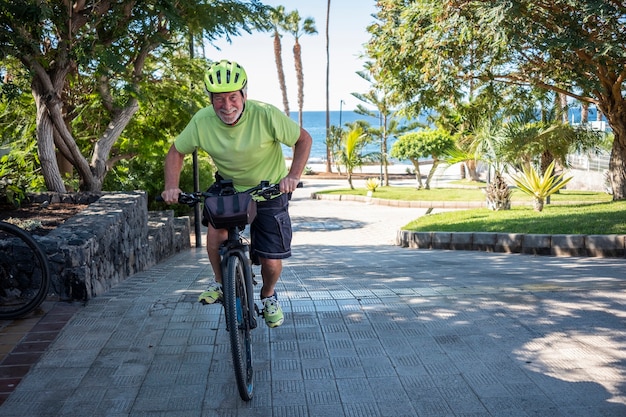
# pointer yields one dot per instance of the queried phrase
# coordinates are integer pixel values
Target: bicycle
(24, 272)
(238, 280)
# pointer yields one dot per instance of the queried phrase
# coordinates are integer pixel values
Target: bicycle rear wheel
(238, 322)
(24, 272)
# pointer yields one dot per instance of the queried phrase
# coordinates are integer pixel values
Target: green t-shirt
(247, 152)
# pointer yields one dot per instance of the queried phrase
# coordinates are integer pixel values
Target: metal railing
(599, 162)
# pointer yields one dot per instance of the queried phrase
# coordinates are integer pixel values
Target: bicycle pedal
(258, 312)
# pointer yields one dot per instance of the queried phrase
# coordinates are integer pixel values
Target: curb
(601, 246)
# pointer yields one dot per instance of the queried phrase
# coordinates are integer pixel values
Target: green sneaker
(272, 313)
(212, 295)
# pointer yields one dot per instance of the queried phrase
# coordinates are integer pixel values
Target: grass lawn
(573, 212)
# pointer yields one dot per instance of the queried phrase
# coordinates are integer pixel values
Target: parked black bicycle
(234, 211)
(24, 272)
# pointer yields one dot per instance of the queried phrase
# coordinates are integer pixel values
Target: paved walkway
(371, 330)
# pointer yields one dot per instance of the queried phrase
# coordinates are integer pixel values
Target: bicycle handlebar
(264, 190)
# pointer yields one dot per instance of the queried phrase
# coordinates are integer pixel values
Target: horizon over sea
(314, 122)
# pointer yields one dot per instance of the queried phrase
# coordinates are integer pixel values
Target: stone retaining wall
(110, 240)
(532, 244)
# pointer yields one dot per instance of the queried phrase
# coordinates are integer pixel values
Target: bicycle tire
(24, 272)
(237, 313)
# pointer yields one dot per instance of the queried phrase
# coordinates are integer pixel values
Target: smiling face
(228, 106)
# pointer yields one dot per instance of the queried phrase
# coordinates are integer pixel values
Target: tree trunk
(418, 175)
(617, 167)
(563, 107)
(53, 135)
(52, 130)
(546, 160)
(431, 173)
(384, 153)
(328, 162)
(584, 113)
(103, 147)
(297, 57)
(617, 161)
(472, 170)
(45, 146)
(281, 72)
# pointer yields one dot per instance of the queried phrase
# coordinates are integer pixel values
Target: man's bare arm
(173, 165)
(301, 152)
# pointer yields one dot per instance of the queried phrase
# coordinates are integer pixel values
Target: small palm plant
(372, 184)
(540, 187)
(350, 152)
(498, 194)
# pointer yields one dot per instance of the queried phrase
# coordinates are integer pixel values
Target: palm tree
(350, 154)
(278, 21)
(524, 141)
(333, 145)
(292, 26)
(378, 97)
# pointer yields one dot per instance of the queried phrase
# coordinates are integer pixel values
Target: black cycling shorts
(270, 232)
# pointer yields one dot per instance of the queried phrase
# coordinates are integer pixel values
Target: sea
(315, 123)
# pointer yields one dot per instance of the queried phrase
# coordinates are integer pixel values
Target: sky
(347, 33)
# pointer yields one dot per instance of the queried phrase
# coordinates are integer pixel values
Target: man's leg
(214, 239)
(271, 242)
(270, 271)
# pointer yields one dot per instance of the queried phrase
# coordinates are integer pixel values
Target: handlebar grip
(159, 199)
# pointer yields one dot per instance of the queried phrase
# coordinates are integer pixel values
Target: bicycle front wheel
(236, 308)
(24, 272)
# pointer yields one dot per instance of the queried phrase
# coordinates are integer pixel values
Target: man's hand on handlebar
(288, 184)
(170, 196)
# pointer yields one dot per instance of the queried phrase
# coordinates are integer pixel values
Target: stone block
(509, 242)
(484, 241)
(441, 240)
(402, 238)
(462, 241)
(421, 240)
(568, 245)
(605, 245)
(537, 244)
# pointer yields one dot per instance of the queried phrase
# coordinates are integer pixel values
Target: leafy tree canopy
(433, 52)
(81, 54)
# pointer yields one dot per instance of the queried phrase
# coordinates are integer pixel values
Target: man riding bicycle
(243, 138)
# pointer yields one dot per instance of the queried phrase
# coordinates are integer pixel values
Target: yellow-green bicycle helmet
(224, 77)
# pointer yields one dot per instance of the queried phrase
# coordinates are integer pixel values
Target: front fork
(242, 251)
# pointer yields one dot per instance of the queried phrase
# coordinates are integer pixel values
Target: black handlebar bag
(225, 211)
